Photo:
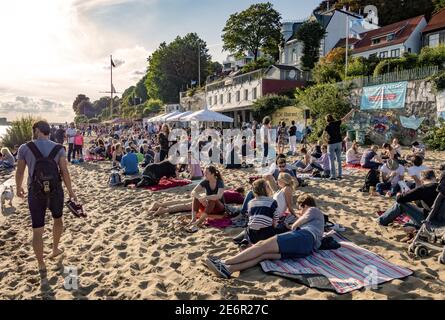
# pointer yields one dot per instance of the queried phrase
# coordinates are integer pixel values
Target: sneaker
(333, 178)
(219, 268)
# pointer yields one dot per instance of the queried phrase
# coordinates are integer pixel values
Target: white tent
(207, 115)
(179, 117)
(167, 116)
(155, 119)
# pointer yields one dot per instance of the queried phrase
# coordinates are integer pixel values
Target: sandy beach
(122, 252)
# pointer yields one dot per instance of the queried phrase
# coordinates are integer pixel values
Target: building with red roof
(434, 33)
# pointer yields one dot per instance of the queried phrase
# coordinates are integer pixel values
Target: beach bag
(114, 179)
(371, 180)
(46, 180)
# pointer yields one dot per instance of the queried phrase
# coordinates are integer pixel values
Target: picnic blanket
(94, 158)
(342, 270)
(216, 221)
(354, 166)
(402, 219)
(168, 183)
(307, 176)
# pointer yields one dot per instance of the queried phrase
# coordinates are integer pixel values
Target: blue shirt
(130, 163)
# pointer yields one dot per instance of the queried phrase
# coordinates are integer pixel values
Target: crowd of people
(277, 223)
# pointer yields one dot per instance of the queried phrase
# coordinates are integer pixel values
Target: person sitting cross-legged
(305, 237)
(130, 162)
(321, 164)
(392, 173)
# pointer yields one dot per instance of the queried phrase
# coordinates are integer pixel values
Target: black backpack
(46, 179)
(371, 180)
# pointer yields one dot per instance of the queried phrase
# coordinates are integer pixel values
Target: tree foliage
(19, 132)
(310, 34)
(80, 119)
(173, 66)
(268, 104)
(323, 99)
(260, 63)
(389, 11)
(435, 137)
(254, 29)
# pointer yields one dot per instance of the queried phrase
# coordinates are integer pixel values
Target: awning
(207, 115)
(179, 117)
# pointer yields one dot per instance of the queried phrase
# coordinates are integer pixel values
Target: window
(395, 53)
(221, 99)
(433, 40)
(374, 55)
(215, 99)
(229, 97)
(375, 41)
(210, 101)
(383, 54)
(390, 37)
(246, 94)
(254, 94)
(238, 96)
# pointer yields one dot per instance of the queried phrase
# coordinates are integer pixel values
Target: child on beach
(78, 145)
(7, 160)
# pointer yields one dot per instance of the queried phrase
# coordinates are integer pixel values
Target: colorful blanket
(94, 158)
(354, 166)
(169, 183)
(402, 219)
(342, 270)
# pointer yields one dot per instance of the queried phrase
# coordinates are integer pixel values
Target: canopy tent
(207, 115)
(155, 119)
(179, 117)
(168, 115)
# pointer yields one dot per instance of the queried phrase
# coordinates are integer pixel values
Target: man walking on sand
(47, 166)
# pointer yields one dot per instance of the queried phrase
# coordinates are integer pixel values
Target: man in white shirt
(70, 134)
(392, 173)
(415, 172)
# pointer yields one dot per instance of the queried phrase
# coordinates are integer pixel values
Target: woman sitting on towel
(352, 155)
(304, 238)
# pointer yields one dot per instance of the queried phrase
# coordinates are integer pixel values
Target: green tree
(173, 66)
(323, 99)
(214, 68)
(77, 101)
(260, 63)
(80, 119)
(254, 29)
(438, 5)
(268, 104)
(310, 34)
(19, 132)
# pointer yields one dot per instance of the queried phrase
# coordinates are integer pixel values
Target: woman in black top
(334, 142)
(163, 141)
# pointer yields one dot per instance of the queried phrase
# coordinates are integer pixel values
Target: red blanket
(169, 183)
(400, 219)
(353, 166)
(93, 158)
(216, 220)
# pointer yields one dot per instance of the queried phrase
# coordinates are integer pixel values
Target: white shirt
(281, 202)
(71, 133)
(416, 171)
(351, 156)
(400, 172)
(265, 134)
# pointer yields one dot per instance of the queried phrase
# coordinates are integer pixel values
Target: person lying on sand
(305, 237)
(425, 194)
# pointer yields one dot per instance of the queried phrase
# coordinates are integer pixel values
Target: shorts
(295, 244)
(37, 207)
(255, 236)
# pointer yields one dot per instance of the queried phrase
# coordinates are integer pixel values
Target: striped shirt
(262, 213)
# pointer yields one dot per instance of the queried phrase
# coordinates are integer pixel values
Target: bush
(323, 99)
(94, 120)
(153, 105)
(81, 119)
(438, 81)
(326, 73)
(358, 67)
(432, 56)
(19, 132)
(435, 137)
(406, 62)
(268, 104)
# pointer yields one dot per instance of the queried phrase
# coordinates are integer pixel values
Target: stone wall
(420, 101)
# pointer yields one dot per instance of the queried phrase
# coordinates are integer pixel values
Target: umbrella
(155, 119)
(207, 115)
(169, 115)
(178, 117)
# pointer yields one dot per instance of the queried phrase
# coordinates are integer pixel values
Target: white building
(392, 40)
(333, 21)
(235, 95)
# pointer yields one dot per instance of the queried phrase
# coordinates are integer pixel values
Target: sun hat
(392, 164)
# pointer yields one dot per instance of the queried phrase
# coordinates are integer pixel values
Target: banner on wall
(287, 114)
(385, 96)
(411, 122)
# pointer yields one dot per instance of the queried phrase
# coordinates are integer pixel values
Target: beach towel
(402, 219)
(216, 220)
(94, 158)
(354, 166)
(168, 183)
(308, 176)
(342, 270)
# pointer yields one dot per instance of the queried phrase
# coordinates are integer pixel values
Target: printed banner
(440, 101)
(385, 96)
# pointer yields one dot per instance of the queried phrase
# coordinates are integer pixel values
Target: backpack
(46, 180)
(371, 180)
(114, 179)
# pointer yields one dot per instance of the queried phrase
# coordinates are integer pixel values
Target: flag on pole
(113, 89)
(354, 25)
(112, 63)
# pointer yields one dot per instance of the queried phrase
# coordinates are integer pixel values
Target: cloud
(42, 107)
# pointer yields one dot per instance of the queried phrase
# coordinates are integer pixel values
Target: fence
(405, 75)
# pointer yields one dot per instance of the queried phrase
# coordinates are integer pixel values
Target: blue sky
(60, 48)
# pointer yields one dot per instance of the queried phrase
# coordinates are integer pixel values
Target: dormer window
(390, 37)
(375, 41)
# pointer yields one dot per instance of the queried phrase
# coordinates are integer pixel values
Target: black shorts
(37, 207)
